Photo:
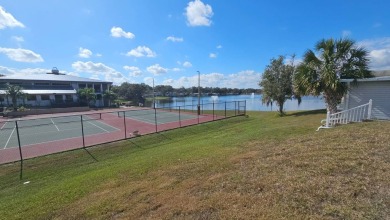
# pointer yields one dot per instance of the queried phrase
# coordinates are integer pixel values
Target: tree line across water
(137, 93)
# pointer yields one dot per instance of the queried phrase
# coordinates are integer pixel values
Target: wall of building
(378, 91)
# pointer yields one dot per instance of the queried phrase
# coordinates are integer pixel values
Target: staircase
(357, 114)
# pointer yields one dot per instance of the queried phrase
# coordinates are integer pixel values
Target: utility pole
(198, 93)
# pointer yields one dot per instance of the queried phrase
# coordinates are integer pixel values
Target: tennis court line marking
(27, 145)
(54, 124)
(98, 127)
(117, 129)
(9, 138)
(64, 130)
(3, 125)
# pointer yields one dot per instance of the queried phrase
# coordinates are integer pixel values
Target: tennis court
(44, 130)
(158, 116)
(42, 136)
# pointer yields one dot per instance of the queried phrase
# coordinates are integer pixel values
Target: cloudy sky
(136, 41)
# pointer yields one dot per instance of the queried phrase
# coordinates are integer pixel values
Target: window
(31, 98)
(61, 84)
(1, 98)
(68, 98)
(41, 84)
(45, 97)
(96, 87)
(58, 98)
(82, 86)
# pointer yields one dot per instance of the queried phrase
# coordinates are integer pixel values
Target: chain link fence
(24, 139)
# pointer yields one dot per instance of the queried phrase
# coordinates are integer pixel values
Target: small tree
(277, 83)
(321, 71)
(86, 95)
(110, 96)
(15, 92)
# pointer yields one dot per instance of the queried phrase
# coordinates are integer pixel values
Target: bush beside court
(260, 167)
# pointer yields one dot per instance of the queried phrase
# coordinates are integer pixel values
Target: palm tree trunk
(331, 103)
(14, 103)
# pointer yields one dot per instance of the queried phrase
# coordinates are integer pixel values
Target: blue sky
(136, 41)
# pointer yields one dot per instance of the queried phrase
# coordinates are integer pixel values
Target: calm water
(253, 102)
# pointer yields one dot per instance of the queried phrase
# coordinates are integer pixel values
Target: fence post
(245, 108)
(225, 109)
(235, 108)
(369, 109)
(155, 119)
(124, 123)
(82, 130)
(213, 111)
(202, 106)
(20, 150)
(179, 118)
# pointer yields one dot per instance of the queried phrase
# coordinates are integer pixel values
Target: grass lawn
(257, 167)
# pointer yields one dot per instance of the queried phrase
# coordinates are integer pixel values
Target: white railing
(357, 114)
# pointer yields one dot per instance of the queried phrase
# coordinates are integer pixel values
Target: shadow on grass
(305, 113)
(152, 140)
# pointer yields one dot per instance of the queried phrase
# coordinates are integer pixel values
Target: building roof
(50, 77)
(379, 73)
(373, 79)
(44, 92)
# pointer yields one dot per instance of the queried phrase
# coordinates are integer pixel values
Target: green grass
(257, 167)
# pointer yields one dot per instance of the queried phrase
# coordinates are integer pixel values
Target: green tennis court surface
(152, 116)
(45, 130)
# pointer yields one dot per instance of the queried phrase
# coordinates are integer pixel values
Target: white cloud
(99, 55)
(94, 77)
(141, 51)
(213, 55)
(84, 53)
(28, 71)
(243, 79)
(21, 55)
(176, 69)
(8, 20)
(187, 64)
(119, 32)
(99, 69)
(175, 39)
(17, 38)
(379, 52)
(133, 71)
(198, 14)
(219, 46)
(148, 81)
(156, 69)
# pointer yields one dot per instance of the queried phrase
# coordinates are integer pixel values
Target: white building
(377, 89)
(52, 89)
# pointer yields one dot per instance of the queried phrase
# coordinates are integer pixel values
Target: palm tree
(321, 71)
(110, 96)
(14, 91)
(86, 95)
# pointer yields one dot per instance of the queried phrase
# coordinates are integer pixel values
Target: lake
(253, 102)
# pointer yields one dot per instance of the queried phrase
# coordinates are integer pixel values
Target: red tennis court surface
(109, 127)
